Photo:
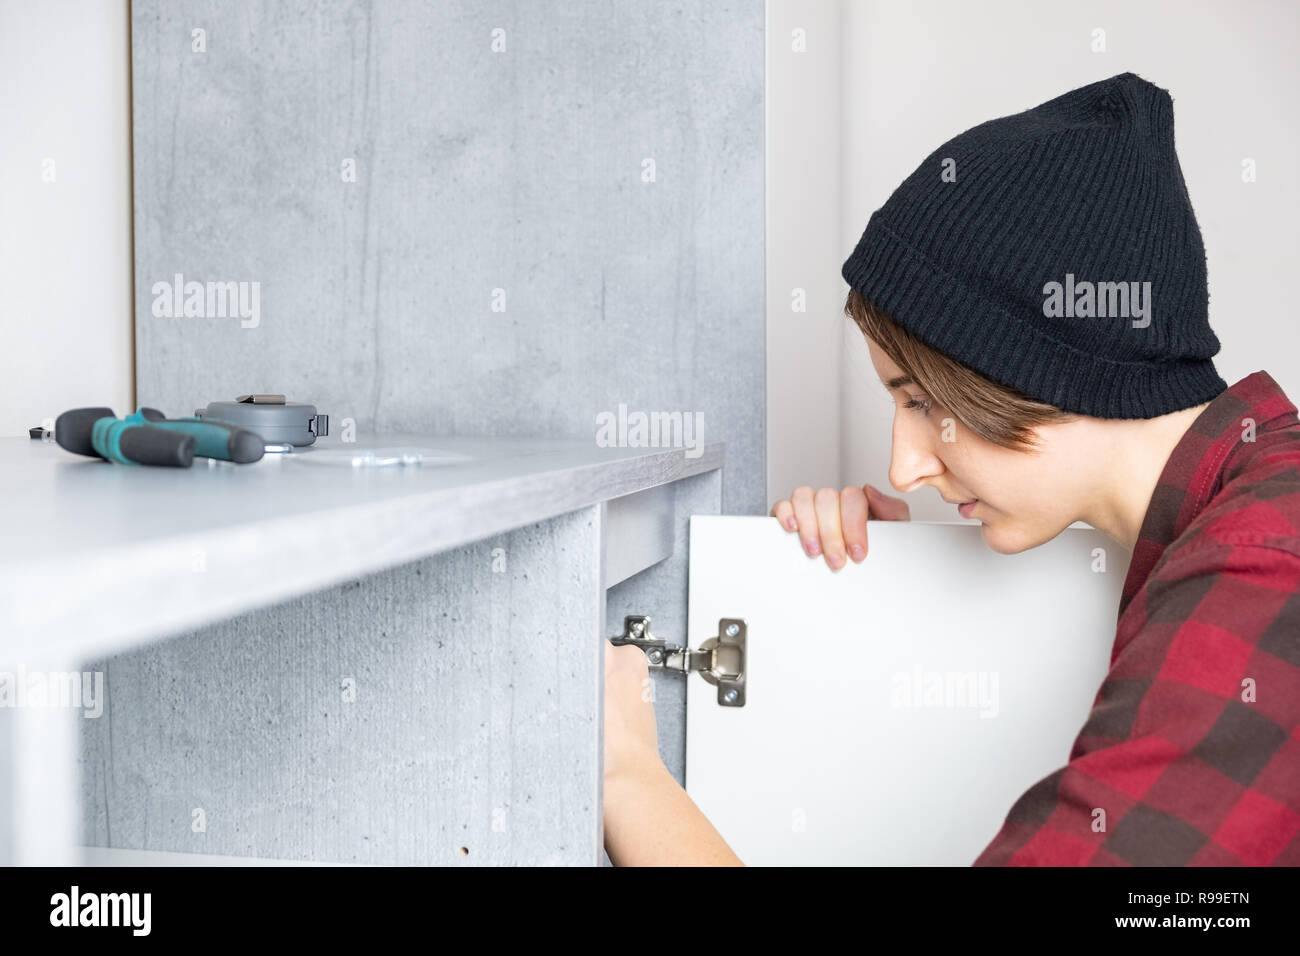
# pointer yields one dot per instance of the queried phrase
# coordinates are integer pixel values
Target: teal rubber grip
(212, 439)
(135, 443)
(106, 436)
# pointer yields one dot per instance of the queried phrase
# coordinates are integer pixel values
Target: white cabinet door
(894, 710)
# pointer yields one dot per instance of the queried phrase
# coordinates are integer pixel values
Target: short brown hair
(997, 413)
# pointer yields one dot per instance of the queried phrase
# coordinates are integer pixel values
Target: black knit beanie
(1055, 251)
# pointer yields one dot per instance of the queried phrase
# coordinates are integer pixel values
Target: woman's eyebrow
(899, 382)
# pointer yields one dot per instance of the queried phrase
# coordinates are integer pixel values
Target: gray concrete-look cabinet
(298, 660)
(472, 219)
(439, 713)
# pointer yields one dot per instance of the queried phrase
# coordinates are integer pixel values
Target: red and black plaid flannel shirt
(1192, 748)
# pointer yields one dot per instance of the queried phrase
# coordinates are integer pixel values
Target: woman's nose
(911, 460)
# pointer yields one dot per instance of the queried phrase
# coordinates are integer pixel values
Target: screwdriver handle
(212, 439)
(98, 433)
(130, 443)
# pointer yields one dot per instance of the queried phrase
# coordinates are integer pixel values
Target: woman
(1034, 296)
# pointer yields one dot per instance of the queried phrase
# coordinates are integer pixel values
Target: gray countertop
(97, 556)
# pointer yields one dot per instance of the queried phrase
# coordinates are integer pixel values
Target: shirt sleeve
(1191, 752)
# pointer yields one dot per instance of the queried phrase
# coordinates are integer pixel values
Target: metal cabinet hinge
(720, 660)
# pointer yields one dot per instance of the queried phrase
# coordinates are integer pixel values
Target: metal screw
(637, 628)
(730, 696)
(733, 630)
(655, 655)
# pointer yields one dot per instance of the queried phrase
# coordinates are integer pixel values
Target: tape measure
(276, 420)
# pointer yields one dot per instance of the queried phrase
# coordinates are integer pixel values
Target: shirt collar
(1193, 474)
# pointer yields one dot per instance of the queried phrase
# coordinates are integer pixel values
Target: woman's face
(1025, 498)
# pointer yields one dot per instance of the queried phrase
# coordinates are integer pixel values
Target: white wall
(918, 73)
(802, 246)
(65, 246)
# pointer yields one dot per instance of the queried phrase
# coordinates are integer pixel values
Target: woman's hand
(836, 522)
(649, 819)
(631, 737)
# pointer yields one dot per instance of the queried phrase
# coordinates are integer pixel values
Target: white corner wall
(65, 209)
(802, 246)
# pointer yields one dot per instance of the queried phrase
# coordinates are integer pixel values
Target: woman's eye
(923, 405)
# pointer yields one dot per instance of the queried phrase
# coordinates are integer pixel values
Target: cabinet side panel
(443, 712)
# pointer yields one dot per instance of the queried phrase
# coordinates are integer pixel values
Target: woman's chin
(998, 538)
(1005, 538)
(996, 544)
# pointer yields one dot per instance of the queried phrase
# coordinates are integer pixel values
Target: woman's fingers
(886, 507)
(783, 512)
(827, 504)
(631, 737)
(626, 662)
(835, 522)
(805, 515)
(853, 515)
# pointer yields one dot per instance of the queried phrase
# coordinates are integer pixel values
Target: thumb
(886, 507)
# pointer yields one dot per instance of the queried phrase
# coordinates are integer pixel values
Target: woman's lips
(965, 508)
